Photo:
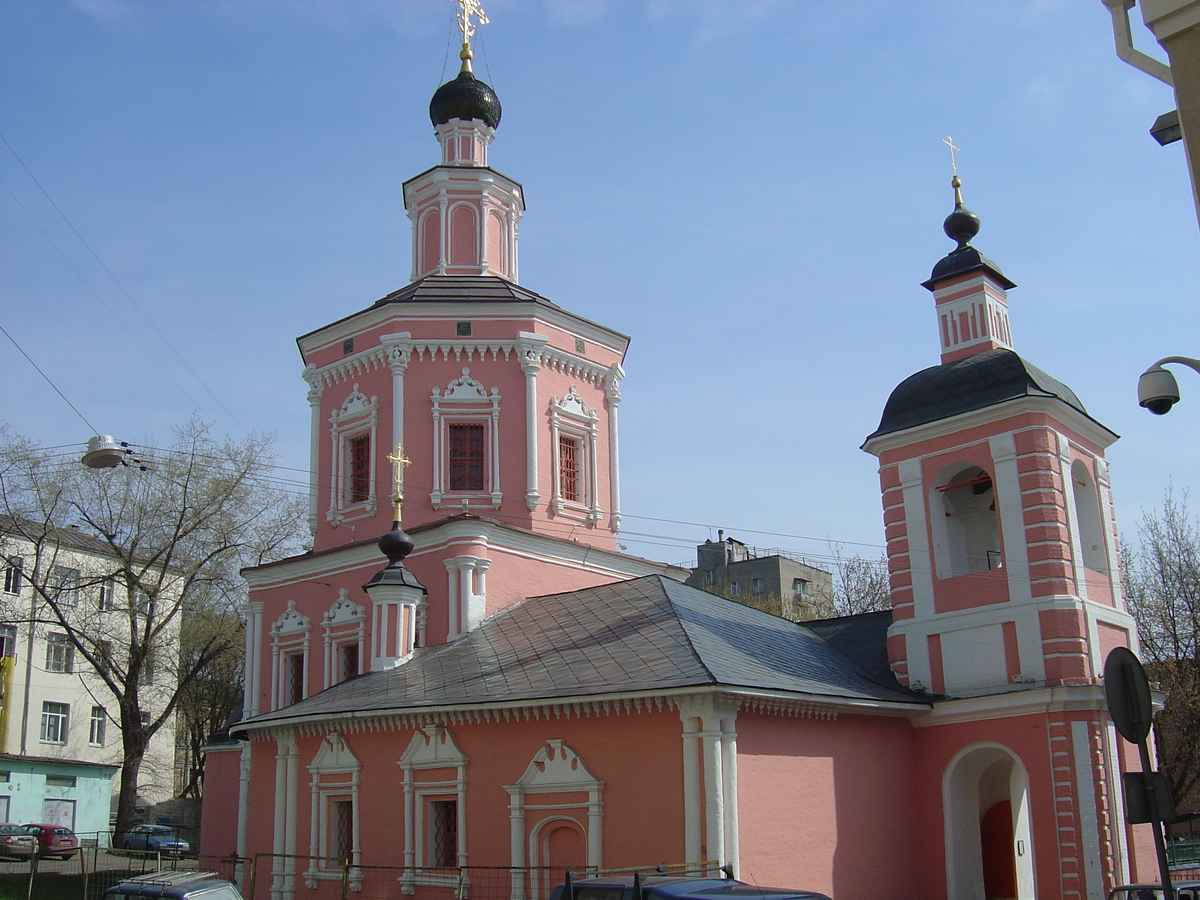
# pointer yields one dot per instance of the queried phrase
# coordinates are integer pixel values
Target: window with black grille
(568, 468)
(360, 468)
(443, 833)
(466, 456)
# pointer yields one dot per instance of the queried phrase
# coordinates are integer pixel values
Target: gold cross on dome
(467, 9)
(949, 142)
(399, 461)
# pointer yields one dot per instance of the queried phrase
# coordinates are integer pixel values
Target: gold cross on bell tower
(399, 462)
(955, 182)
(469, 12)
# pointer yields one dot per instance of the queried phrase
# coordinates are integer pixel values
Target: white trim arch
(554, 769)
(290, 638)
(345, 626)
(432, 748)
(975, 778)
(335, 779)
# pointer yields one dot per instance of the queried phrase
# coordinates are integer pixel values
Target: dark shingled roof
(863, 638)
(645, 634)
(975, 382)
(456, 288)
(963, 260)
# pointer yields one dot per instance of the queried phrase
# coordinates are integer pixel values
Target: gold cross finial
(955, 182)
(399, 461)
(468, 10)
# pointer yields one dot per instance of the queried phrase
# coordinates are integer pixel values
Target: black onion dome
(978, 381)
(466, 97)
(395, 545)
(961, 225)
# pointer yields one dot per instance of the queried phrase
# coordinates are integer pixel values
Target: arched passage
(989, 848)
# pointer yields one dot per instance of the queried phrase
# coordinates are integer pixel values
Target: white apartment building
(60, 738)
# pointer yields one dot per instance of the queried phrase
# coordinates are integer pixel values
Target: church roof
(976, 382)
(644, 634)
(465, 97)
(457, 288)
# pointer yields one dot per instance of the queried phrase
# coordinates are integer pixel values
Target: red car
(54, 840)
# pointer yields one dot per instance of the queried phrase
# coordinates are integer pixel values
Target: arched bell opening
(966, 532)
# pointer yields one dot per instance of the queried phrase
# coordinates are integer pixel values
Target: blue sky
(752, 189)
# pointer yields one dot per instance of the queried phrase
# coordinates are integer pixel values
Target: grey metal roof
(644, 634)
(456, 288)
(975, 382)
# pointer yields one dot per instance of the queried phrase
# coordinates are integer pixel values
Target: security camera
(1157, 390)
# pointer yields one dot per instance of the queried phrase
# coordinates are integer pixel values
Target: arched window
(464, 236)
(1087, 518)
(963, 512)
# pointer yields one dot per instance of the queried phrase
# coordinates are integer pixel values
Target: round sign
(1128, 695)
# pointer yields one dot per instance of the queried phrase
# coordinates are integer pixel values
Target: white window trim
(554, 769)
(335, 776)
(570, 417)
(64, 726)
(290, 635)
(433, 747)
(60, 643)
(465, 401)
(102, 719)
(357, 415)
(344, 623)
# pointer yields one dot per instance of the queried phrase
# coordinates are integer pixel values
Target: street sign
(1128, 694)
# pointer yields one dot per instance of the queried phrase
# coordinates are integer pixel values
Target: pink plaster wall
(829, 806)
(219, 812)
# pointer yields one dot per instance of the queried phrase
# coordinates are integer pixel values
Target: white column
(516, 843)
(452, 626)
(289, 842)
(529, 348)
(254, 660)
(691, 784)
(730, 787)
(1009, 505)
(243, 808)
(714, 795)
(314, 442)
(399, 352)
(612, 390)
(278, 864)
(477, 605)
(466, 569)
(595, 829)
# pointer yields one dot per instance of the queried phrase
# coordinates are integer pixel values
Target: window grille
(443, 833)
(360, 468)
(343, 829)
(295, 679)
(348, 656)
(568, 468)
(466, 457)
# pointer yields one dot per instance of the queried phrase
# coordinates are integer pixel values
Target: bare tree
(165, 543)
(1162, 583)
(209, 700)
(859, 584)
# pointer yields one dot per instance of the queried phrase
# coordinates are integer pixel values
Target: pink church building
(508, 690)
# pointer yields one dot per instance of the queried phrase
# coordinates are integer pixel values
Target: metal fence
(97, 867)
(1183, 852)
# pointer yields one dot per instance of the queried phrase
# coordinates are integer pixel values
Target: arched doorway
(989, 849)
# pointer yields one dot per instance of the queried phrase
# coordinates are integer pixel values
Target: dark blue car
(155, 838)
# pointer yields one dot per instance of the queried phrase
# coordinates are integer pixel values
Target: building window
(757, 586)
(799, 587)
(347, 661)
(8, 640)
(147, 674)
(341, 826)
(145, 606)
(966, 527)
(355, 440)
(735, 587)
(568, 468)
(466, 452)
(360, 467)
(108, 593)
(64, 581)
(443, 833)
(60, 781)
(574, 432)
(99, 724)
(54, 722)
(12, 575)
(60, 653)
(710, 576)
(466, 456)
(293, 688)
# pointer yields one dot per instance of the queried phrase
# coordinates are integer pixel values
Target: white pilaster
(1006, 482)
(254, 660)
(399, 352)
(529, 349)
(314, 444)
(691, 783)
(612, 390)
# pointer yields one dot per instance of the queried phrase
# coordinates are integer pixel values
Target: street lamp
(1157, 388)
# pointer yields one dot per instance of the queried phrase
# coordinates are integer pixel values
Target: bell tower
(998, 510)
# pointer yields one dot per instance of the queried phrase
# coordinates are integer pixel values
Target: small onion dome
(962, 224)
(395, 545)
(466, 97)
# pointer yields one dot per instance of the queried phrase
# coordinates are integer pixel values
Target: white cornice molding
(765, 702)
(530, 311)
(1033, 702)
(345, 560)
(1059, 410)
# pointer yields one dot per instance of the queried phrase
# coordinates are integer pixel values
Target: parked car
(158, 838)
(1184, 890)
(178, 885)
(54, 840)
(671, 887)
(16, 842)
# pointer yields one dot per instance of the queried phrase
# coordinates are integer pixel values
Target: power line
(29, 359)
